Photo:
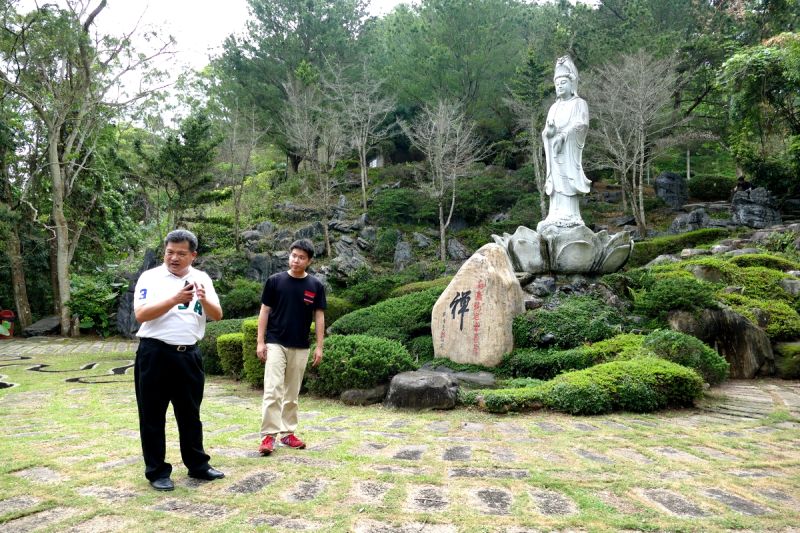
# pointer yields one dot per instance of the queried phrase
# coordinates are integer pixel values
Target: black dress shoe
(163, 483)
(209, 475)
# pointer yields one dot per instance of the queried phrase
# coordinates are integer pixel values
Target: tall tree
(66, 73)
(451, 147)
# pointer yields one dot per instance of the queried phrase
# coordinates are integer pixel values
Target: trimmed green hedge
(421, 348)
(337, 308)
(544, 364)
(640, 385)
(252, 368)
(576, 320)
(229, 348)
(357, 362)
(672, 293)
(646, 251)
(208, 344)
(782, 321)
(765, 260)
(399, 318)
(418, 286)
(711, 188)
(688, 351)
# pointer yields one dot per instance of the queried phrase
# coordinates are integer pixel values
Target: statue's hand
(558, 144)
(550, 128)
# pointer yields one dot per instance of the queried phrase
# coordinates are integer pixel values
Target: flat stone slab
(549, 427)
(40, 474)
(249, 453)
(427, 498)
(492, 500)
(197, 510)
(370, 491)
(108, 494)
(551, 503)
(373, 526)
(716, 454)
(306, 491)
(116, 463)
(508, 473)
(593, 456)
(103, 524)
(440, 426)
(39, 520)
(285, 523)
(402, 470)
(737, 503)
(618, 503)
(632, 455)
(674, 453)
(410, 453)
(253, 483)
(582, 426)
(672, 503)
(457, 453)
(18, 503)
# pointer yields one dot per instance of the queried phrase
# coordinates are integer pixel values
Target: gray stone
(403, 256)
(371, 491)
(46, 326)
(197, 510)
(791, 286)
(306, 490)
(311, 231)
(17, 503)
(707, 273)
(672, 188)
(410, 453)
(493, 501)
(420, 240)
(736, 503)
(104, 524)
(373, 526)
(364, 396)
(689, 253)
(108, 494)
(593, 456)
(285, 523)
(582, 426)
(40, 474)
(266, 227)
(427, 499)
(369, 233)
(253, 483)
(549, 427)
(457, 453)
(39, 520)
(348, 261)
(673, 503)
(127, 326)
(663, 259)
(755, 208)
(422, 389)
(456, 250)
(501, 473)
(261, 266)
(551, 503)
(746, 347)
(695, 220)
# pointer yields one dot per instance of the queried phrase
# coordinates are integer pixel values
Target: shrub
(337, 307)
(94, 300)
(640, 385)
(623, 346)
(208, 344)
(243, 300)
(503, 400)
(480, 196)
(576, 320)
(421, 348)
(711, 188)
(668, 294)
(372, 290)
(385, 244)
(688, 351)
(763, 283)
(765, 260)
(397, 318)
(252, 366)
(357, 362)
(229, 348)
(544, 364)
(778, 319)
(417, 286)
(646, 251)
(402, 206)
(787, 360)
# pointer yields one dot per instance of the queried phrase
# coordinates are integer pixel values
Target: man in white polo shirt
(172, 302)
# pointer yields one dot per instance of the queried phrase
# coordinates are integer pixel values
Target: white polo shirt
(181, 324)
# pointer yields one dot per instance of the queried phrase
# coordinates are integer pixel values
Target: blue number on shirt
(142, 294)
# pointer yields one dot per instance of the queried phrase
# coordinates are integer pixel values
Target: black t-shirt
(292, 302)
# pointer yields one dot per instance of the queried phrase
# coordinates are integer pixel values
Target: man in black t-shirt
(289, 302)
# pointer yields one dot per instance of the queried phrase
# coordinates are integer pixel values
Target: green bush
(646, 251)
(402, 206)
(787, 360)
(399, 318)
(503, 400)
(372, 290)
(576, 320)
(765, 260)
(337, 307)
(208, 344)
(688, 351)
(421, 348)
(623, 346)
(482, 195)
(229, 348)
(385, 244)
(672, 293)
(460, 367)
(544, 364)
(417, 286)
(640, 385)
(763, 283)
(711, 188)
(357, 362)
(778, 319)
(252, 366)
(243, 299)
(94, 300)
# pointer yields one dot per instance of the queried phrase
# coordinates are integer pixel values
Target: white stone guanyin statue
(564, 136)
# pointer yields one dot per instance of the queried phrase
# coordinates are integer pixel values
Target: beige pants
(283, 375)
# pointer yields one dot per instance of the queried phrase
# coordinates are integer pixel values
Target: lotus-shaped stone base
(574, 250)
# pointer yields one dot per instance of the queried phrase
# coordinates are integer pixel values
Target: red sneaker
(293, 442)
(267, 445)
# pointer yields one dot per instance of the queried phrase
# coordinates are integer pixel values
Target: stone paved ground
(69, 461)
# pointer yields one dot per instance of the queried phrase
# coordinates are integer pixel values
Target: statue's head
(565, 68)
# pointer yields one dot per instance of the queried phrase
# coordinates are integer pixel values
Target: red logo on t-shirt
(308, 297)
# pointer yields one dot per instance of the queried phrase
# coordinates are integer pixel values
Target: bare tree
(635, 121)
(448, 139)
(314, 131)
(364, 112)
(70, 77)
(530, 119)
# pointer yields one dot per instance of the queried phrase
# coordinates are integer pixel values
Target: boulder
(127, 326)
(347, 261)
(456, 250)
(471, 321)
(364, 396)
(672, 188)
(46, 326)
(422, 389)
(755, 208)
(745, 346)
(262, 266)
(694, 220)
(420, 240)
(266, 227)
(309, 232)
(403, 256)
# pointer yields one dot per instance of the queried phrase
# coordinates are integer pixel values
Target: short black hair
(182, 235)
(303, 244)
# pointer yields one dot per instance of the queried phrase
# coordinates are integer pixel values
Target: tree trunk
(442, 228)
(327, 235)
(538, 177)
(21, 301)
(362, 161)
(62, 235)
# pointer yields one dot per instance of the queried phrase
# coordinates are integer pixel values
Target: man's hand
(317, 356)
(261, 351)
(185, 295)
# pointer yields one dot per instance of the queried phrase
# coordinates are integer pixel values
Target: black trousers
(163, 374)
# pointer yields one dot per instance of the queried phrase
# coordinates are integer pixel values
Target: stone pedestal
(471, 321)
